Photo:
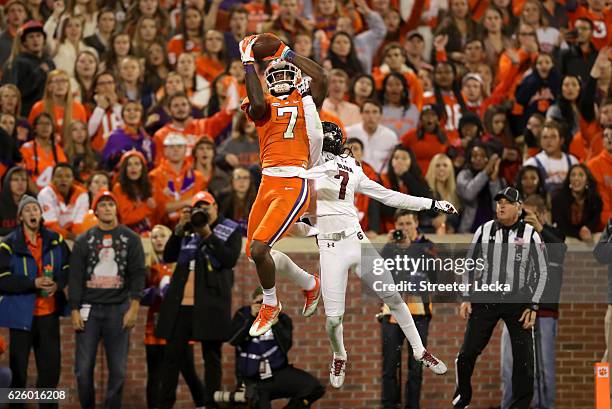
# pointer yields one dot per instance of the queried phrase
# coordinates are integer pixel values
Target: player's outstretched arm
(314, 128)
(257, 102)
(399, 200)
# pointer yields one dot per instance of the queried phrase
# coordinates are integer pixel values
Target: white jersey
(337, 180)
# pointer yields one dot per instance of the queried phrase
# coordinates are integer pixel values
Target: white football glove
(246, 49)
(442, 206)
(304, 86)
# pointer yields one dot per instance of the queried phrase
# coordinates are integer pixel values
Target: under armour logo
(331, 244)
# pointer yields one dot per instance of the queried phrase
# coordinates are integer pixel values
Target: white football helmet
(282, 77)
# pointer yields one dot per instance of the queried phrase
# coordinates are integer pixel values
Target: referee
(514, 256)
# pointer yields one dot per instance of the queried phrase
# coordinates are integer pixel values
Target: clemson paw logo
(603, 372)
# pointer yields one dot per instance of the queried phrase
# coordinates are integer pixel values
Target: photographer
(205, 247)
(603, 254)
(263, 365)
(404, 241)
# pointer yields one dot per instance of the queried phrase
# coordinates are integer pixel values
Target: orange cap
(100, 195)
(202, 196)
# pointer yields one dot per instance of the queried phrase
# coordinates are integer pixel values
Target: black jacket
(562, 213)
(603, 254)
(556, 249)
(8, 207)
(26, 73)
(574, 62)
(214, 278)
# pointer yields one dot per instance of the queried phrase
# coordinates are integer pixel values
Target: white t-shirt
(556, 169)
(376, 148)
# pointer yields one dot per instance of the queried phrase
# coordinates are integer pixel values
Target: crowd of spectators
(450, 99)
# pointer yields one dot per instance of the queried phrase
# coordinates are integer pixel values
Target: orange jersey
(40, 163)
(196, 129)
(452, 110)
(209, 68)
(136, 214)
(177, 46)
(171, 186)
(78, 114)
(601, 168)
(602, 23)
(426, 148)
(282, 132)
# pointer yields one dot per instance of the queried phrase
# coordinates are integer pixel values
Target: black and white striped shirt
(512, 255)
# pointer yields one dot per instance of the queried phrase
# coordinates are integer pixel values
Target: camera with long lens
(398, 235)
(199, 217)
(242, 396)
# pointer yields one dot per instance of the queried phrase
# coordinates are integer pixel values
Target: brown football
(265, 46)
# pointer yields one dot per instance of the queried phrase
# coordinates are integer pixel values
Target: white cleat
(337, 372)
(438, 367)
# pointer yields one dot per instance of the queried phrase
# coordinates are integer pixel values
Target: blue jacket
(18, 270)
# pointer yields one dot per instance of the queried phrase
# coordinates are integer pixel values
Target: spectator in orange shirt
(174, 181)
(134, 193)
(34, 263)
(601, 168)
(191, 129)
(213, 59)
(428, 139)
(191, 34)
(106, 115)
(41, 154)
(599, 13)
(156, 286)
(57, 101)
(98, 180)
(446, 96)
(64, 202)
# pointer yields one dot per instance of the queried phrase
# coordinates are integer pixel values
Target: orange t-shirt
(209, 68)
(601, 168)
(78, 114)
(602, 23)
(177, 46)
(171, 186)
(452, 112)
(283, 140)
(134, 214)
(425, 149)
(40, 163)
(42, 305)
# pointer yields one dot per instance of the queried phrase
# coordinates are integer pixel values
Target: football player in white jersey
(343, 245)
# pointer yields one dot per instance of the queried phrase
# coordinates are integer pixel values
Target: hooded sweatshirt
(8, 207)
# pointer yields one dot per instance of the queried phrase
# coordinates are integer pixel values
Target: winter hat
(26, 200)
(100, 195)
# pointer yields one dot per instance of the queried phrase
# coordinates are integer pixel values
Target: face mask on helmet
(332, 138)
(282, 77)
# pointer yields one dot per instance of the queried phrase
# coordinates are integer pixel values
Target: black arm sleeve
(172, 249)
(136, 270)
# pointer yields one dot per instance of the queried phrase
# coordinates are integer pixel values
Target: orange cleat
(312, 298)
(268, 316)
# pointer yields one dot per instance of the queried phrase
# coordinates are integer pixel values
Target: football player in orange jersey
(287, 148)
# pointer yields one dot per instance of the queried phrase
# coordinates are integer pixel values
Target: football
(265, 46)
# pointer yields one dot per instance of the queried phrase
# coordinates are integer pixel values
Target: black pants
(176, 350)
(299, 386)
(479, 328)
(155, 360)
(393, 341)
(44, 338)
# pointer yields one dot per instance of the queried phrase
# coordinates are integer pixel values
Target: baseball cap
(102, 194)
(202, 196)
(175, 139)
(32, 27)
(509, 193)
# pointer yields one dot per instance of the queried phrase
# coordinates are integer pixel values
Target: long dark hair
(53, 146)
(241, 207)
(414, 169)
(591, 193)
(135, 189)
(183, 26)
(352, 66)
(356, 78)
(455, 87)
(405, 97)
(565, 106)
(475, 143)
(541, 188)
